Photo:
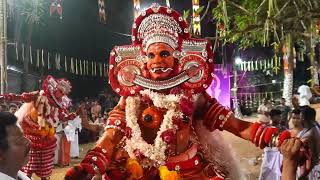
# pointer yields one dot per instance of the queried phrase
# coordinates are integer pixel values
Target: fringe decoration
(219, 151)
(30, 55)
(38, 57)
(42, 58)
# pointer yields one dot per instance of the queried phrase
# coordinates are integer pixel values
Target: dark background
(79, 34)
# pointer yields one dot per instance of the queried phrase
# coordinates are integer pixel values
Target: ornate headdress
(160, 24)
(50, 85)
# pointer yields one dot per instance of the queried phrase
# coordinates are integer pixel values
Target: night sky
(79, 34)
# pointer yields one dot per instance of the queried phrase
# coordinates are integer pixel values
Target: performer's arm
(222, 118)
(24, 97)
(97, 159)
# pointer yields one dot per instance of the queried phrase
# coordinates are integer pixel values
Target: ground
(249, 157)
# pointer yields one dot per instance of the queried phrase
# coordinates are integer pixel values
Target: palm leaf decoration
(34, 11)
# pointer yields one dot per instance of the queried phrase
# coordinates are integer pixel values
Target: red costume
(38, 117)
(163, 126)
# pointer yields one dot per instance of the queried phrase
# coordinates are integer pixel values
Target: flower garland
(156, 151)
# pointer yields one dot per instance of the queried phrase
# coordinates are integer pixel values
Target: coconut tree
(30, 14)
(273, 23)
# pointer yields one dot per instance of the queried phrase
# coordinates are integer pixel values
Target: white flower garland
(155, 152)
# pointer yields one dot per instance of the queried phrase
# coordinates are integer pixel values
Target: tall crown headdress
(159, 24)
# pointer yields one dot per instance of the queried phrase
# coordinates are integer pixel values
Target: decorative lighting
(196, 27)
(238, 60)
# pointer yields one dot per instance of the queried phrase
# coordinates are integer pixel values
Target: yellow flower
(165, 174)
(134, 168)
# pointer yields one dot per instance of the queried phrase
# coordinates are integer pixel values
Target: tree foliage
(251, 22)
(33, 11)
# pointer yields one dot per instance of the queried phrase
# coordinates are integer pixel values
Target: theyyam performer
(38, 117)
(165, 126)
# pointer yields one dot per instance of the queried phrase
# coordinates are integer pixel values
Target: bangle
(253, 130)
(258, 134)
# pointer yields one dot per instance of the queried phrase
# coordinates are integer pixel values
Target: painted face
(160, 61)
(59, 93)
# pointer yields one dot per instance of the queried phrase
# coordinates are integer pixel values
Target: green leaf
(185, 14)
(198, 11)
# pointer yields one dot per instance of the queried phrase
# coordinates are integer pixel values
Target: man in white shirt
(14, 148)
(264, 111)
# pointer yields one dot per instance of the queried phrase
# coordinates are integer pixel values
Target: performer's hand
(97, 177)
(77, 172)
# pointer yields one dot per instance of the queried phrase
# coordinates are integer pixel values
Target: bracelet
(253, 130)
(216, 116)
(258, 134)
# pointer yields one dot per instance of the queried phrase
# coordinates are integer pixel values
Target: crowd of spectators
(11, 107)
(97, 110)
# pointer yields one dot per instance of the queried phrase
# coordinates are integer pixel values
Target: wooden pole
(3, 46)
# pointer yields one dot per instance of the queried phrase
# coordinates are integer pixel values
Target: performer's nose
(157, 59)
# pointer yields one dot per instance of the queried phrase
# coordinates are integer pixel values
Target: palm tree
(30, 13)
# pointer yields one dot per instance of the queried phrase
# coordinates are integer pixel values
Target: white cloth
(56, 152)
(20, 175)
(262, 109)
(74, 148)
(6, 177)
(304, 95)
(271, 164)
(23, 176)
(70, 132)
(70, 129)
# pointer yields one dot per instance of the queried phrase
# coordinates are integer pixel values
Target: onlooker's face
(295, 119)
(295, 102)
(265, 101)
(276, 119)
(16, 156)
(283, 101)
(12, 109)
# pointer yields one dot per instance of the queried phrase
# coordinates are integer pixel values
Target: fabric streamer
(136, 8)
(196, 26)
(102, 12)
(56, 8)
(38, 57)
(30, 55)
(65, 64)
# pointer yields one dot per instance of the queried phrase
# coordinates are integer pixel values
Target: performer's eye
(164, 54)
(151, 55)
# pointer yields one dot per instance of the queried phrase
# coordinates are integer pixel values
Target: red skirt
(41, 156)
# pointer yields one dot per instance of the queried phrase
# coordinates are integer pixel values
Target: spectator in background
(296, 123)
(310, 135)
(284, 112)
(102, 101)
(272, 159)
(14, 148)
(264, 112)
(1, 108)
(95, 110)
(13, 108)
(4, 108)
